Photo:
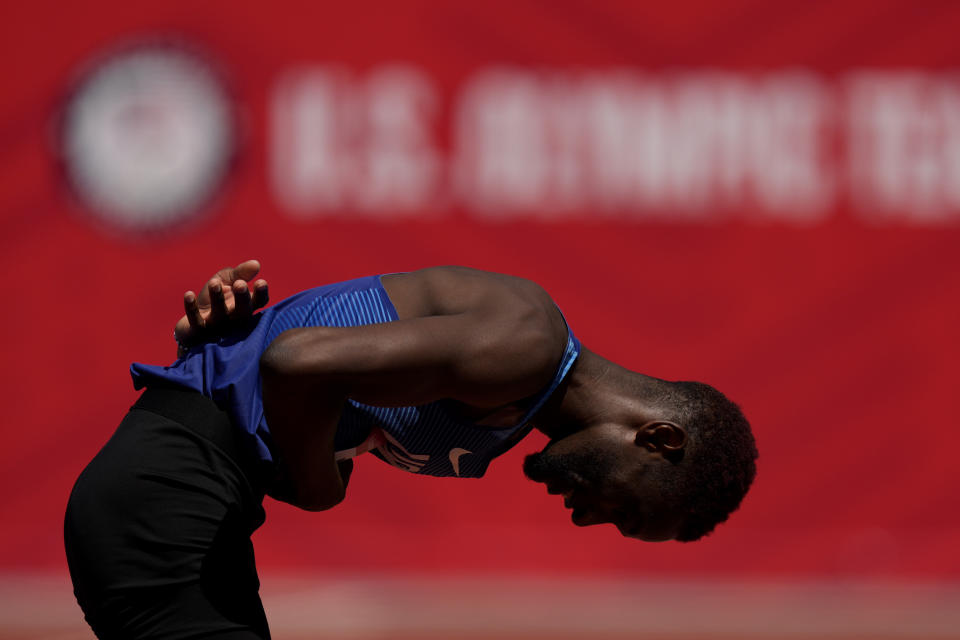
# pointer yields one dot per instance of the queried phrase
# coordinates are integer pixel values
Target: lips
(580, 517)
(568, 499)
(580, 514)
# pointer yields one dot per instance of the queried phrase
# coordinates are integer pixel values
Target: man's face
(604, 476)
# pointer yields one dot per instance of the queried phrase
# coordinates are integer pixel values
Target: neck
(595, 391)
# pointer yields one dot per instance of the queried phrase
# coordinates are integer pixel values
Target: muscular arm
(483, 339)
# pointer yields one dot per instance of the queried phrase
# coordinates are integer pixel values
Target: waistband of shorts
(200, 414)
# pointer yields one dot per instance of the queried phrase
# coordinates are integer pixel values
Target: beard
(582, 468)
(539, 467)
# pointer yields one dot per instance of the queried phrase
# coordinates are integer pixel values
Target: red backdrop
(780, 256)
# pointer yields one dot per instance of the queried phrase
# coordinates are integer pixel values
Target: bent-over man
(435, 372)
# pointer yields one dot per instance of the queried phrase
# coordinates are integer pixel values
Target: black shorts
(158, 526)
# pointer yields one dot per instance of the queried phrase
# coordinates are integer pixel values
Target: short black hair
(720, 462)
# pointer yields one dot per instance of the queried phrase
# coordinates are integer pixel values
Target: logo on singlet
(394, 453)
(388, 447)
(455, 455)
(397, 455)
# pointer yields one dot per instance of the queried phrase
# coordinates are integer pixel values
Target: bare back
(439, 291)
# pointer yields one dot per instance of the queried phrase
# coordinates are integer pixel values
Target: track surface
(41, 607)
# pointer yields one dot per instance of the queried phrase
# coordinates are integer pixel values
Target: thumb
(243, 271)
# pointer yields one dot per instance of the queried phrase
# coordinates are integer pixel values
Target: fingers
(246, 270)
(224, 300)
(229, 275)
(261, 294)
(241, 299)
(189, 325)
(192, 309)
(218, 301)
(243, 271)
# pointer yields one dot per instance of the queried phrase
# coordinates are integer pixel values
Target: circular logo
(147, 137)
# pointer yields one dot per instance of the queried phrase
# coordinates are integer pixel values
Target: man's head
(671, 472)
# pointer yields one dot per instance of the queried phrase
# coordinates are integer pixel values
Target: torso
(432, 433)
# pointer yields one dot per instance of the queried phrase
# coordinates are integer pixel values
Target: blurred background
(761, 195)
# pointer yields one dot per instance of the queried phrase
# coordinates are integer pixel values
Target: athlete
(435, 371)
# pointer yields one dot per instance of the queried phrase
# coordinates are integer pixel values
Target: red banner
(763, 196)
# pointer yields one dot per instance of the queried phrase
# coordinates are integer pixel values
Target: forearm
(302, 417)
(412, 362)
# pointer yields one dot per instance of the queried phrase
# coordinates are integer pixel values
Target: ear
(662, 436)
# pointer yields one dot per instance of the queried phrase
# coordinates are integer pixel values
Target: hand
(225, 300)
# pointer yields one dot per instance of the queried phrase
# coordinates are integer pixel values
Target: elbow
(328, 500)
(279, 360)
(313, 498)
(310, 506)
(302, 354)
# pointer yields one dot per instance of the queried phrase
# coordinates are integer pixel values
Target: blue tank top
(434, 439)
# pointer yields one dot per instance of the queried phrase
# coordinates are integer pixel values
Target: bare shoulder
(505, 317)
(450, 290)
